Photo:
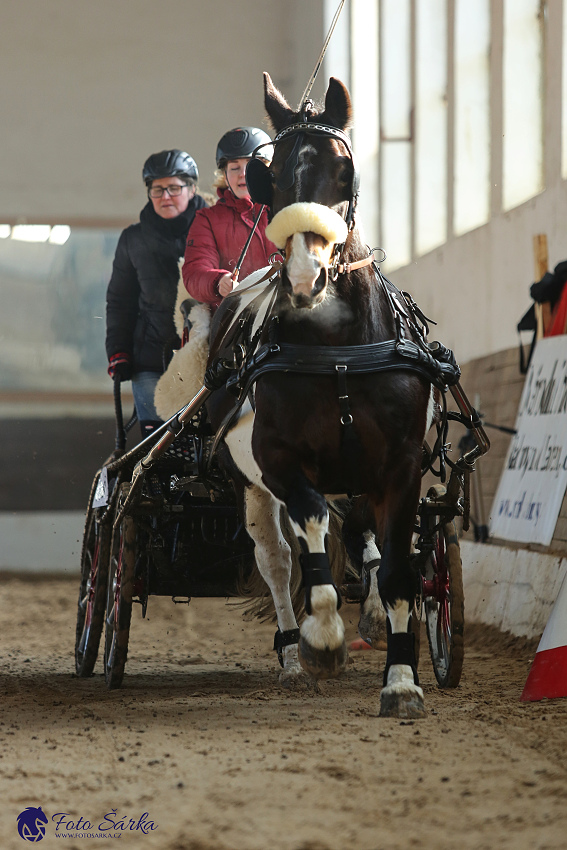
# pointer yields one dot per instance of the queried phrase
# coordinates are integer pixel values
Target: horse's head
(311, 187)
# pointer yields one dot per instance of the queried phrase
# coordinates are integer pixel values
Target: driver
(142, 291)
(219, 233)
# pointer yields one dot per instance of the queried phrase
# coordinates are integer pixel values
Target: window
(395, 131)
(364, 93)
(52, 322)
(431, 124)
(472, 114)
(522, 119)
(564, 97)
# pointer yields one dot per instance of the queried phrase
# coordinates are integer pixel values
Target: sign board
(532, 485)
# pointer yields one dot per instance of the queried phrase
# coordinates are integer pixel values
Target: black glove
(119, 366)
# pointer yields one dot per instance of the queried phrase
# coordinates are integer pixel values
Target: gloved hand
(119, 366)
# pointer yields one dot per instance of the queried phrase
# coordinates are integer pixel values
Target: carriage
(320, 380)
(178, 533)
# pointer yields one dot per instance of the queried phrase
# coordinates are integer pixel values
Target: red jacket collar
(241, 205)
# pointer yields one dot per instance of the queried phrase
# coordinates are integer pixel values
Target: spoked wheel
(119, 595)
(416, 629)
(92, 591)
(443, 602)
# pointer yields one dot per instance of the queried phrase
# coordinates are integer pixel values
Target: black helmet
(240, 143)
(172, 163)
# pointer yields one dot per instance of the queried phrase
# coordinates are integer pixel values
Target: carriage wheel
(92, 590)
(119, 595)
(443, 601)
(416, 629)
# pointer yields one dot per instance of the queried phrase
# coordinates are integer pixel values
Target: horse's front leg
(322, 647)
(273, 559)
(401, 695)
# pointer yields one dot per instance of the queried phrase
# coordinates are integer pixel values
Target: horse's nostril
(321, 281)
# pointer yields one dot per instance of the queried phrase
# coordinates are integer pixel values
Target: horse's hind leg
(273, 558)
(322, 646)
(401, 695)
(361, 545)
(372, 622)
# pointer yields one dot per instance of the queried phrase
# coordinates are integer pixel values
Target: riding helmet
(240, 143)
(173, 163)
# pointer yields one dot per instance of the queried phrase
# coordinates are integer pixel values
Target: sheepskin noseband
(304, 217)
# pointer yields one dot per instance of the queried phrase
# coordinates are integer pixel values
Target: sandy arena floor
(203, 739)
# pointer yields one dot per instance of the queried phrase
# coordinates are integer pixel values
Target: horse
(323, 420)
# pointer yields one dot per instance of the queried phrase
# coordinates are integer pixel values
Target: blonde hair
(220, 181)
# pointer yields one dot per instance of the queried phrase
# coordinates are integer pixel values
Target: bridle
(260, 177)
(312, 129)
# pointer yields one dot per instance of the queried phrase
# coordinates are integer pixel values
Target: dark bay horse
(302, 434)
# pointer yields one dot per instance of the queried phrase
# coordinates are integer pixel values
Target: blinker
(259, 182)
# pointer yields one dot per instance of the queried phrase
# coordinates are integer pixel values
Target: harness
(253, 358)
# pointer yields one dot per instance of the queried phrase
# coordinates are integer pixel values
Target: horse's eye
(344, 175)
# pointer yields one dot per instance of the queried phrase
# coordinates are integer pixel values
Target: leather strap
(316, 571)
(283, 639)
(401, 650)
(347, 268)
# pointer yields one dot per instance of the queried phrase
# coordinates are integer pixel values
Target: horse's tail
(258, 602)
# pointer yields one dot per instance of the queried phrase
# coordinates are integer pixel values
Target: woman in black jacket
(141, 295)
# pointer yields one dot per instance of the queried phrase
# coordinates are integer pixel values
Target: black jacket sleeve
(122, 299)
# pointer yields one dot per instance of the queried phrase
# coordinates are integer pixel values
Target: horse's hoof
(406, 702)
(372, 630)
(293, 676)
(322, 663)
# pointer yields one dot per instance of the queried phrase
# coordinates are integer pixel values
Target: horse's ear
(338, 108)
(277, 107)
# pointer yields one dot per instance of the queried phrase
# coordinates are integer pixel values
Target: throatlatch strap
(401, 650)
(283, 639)
(316, 571)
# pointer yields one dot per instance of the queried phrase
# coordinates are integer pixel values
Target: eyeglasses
(172, 191)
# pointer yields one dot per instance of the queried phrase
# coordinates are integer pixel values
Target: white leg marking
(372, 624)
(315, 531)
(371, 551)
(398, 615)
(323, 628)
(239, 442)
(272, 552)
(400, 676)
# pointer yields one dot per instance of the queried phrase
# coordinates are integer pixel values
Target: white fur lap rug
(184, 376)
(186, 371)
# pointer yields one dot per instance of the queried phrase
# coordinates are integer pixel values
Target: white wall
(90, 88)
(476, 286)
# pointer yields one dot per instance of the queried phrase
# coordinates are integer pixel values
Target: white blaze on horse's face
(308, 257)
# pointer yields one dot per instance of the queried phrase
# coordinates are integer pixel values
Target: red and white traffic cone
(547, 678)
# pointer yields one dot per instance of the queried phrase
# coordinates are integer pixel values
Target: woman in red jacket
(219, 233)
